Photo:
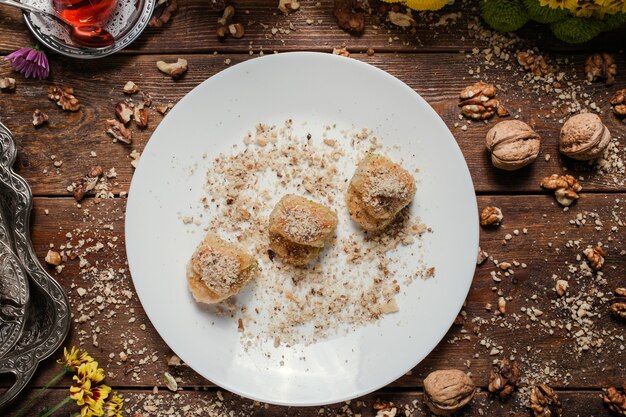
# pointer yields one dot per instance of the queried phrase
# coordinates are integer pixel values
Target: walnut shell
(584, 137)
(513, 145)
(447, 391)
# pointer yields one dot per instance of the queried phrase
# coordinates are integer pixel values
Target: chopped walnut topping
(619, 310)
(561, 287)
(64, 97)
(566, 188)
(534, 63)
(53, 258)
(163, 12)
(39, 117)
(119, 132)
(491, 216)
(601, 65)
(616, 399)
(130, 88)
(288, 6)
(123, 112)
(7, 84)
(504, 378)
(478, 102)
(618, 102)
(544, 402)
(595, 256)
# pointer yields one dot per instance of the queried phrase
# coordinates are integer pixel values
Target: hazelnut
(513, 145)
(584, 137)
(447, 391)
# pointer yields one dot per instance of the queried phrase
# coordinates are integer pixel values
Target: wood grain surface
(437, 62)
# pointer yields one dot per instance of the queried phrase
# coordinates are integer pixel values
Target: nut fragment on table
(39, 118)
(534, 63)
(447, 391)
(385, 409)
(53, 258)
(119, 132)
(544, 402)
(64, 97)
(163, 12)
(491, 216)
(618, 102)
(595, 256)
(288, 6)
(174, 69)
(224, 21)
(236, 30)
(620, 291)
(615, 399)
(601, 65)
(7, 84)
(123, 112)
(478, 102)
(561, 287)
(618, 309)
(513, 144)
(141, 117)
(584, 137)
(566, 188)
(403, 20)
(349, 15)
(130, 88)
(481, 257)
(504, 378)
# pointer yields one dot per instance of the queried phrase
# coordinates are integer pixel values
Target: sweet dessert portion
(218, 270)
(378, 191)
(299, 229)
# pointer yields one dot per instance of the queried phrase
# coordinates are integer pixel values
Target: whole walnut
(584, 137)
(447, 391)
(513, 145)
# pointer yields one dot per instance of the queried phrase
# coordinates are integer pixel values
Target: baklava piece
(299, 229)
(218, 270)
(378, 191)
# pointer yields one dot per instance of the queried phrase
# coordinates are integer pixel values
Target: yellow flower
(584, 8)
(553, 4)
(72, 360)
(90, 399)
(114, 407)
(426, 4)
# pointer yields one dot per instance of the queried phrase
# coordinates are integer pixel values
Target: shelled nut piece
(378, 191)
(64, 97)
(618, 102)
(584, 137)
(53, 258)
(299, 229)
(566, 188)
(504, 378)
(130, 88)
(601, 65)
(513, 144)
(119, 132)
(615, 399)
(7, 84)
(288, 6)
(595, 256)
(224, 21)
(478, 102)
(491, 216)
(447, 391)
(174, 69)
(544, 402)
(39, 118)
(534, 63)
(618, 309)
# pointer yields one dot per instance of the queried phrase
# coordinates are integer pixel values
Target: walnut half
(616, 399)
(595, 256)
(504, 378)
(601, 65)
(64, 97)
(544, 402)
(618, 102)
(447, 391)
(491, 216)
(478, 102)
(566, 188)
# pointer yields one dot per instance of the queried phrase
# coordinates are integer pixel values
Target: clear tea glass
(87, 18)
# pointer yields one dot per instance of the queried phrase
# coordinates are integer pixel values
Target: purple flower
(30, 62)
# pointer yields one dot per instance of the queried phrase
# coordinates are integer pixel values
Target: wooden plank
(313, 27)
(543, 249)
(189, 403)
(71, 137)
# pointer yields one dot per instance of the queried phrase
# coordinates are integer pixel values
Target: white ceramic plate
(320, 89)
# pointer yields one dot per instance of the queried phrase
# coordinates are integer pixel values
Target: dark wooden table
(436, 61)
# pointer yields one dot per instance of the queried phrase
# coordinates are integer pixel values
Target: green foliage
(504, 15)
(544, 14)
(613, 21)
(576, 29)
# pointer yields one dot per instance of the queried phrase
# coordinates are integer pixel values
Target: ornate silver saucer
(48, 317)
(13, 295)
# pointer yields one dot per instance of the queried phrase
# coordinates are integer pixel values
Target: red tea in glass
(87, 18)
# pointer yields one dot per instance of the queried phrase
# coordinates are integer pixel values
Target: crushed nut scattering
(303, 305)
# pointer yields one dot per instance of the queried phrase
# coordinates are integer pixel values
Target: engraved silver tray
(48, 315)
